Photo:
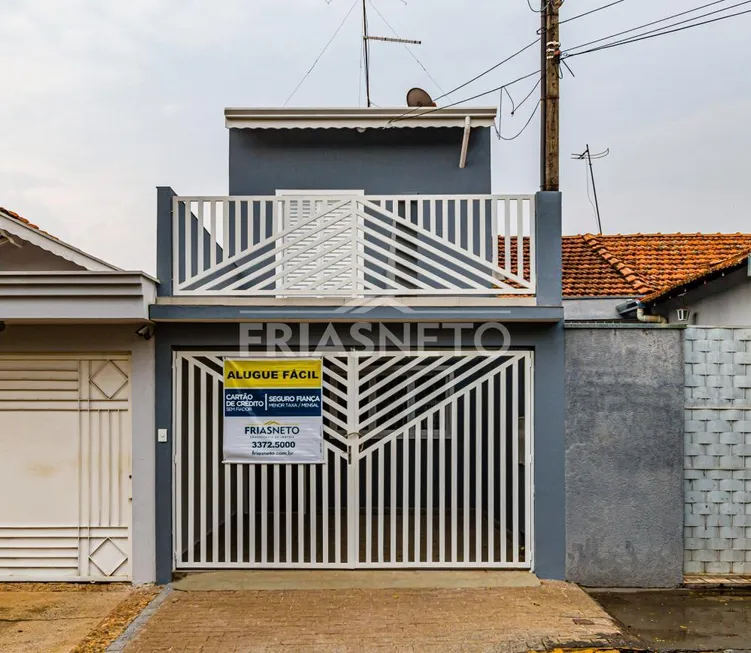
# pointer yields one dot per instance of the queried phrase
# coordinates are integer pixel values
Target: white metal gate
(428, 464)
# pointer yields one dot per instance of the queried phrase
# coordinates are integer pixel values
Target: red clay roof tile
(634, 265)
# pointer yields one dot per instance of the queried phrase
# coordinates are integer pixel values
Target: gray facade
(546, 340)
(422, 160)
(377, 161)
(624, 456)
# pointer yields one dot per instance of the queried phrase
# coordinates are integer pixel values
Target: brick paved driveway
(435, 620)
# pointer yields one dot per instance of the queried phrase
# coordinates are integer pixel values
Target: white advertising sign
(273, 410)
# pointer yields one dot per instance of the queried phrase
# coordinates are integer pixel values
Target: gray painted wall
(723, 302)
(549, 504)
(624, 457)
(377, 161)
(113, 339)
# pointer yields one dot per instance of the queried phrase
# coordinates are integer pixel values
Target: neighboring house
(602, 274)
(443, 455)
(658, 468)
(719, 295)
(76, 413)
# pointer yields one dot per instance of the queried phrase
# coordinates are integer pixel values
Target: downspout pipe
(465, 142)
(650, 319)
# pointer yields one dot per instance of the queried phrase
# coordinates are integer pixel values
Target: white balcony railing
(354, 245)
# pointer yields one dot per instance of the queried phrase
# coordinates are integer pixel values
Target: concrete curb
(118, 646)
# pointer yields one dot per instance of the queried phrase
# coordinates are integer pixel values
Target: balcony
(294, 246)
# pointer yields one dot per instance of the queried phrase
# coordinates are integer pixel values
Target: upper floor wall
(388, 162)
(335, 205)
(371, 151)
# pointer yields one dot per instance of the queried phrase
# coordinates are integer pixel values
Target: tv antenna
(367, 38)
(588, 156)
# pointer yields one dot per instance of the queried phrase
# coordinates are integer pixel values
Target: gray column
(548, 227)
(164, 195)
(549, 456)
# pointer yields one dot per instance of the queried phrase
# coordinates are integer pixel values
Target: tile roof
(19, 218)
(634, 265)
(734, 261)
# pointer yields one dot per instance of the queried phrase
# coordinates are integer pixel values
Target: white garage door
(65, 464)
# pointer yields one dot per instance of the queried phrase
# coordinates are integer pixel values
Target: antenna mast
(588, 156)
(366, 39)
(366, 47)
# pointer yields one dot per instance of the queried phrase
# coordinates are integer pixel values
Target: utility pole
(366, 47)
(543, 89)
(551, 49)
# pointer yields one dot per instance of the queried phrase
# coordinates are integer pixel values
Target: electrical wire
(523, 129)
(491, 69)
(593, 11)
(537, 11)
(654, 22)
(529, 95)
(474, 79)
(662, 32)
(318, 58)
(410, 114)
(407, 48)
(514, 109)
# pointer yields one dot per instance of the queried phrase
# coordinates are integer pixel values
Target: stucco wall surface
(624, 457)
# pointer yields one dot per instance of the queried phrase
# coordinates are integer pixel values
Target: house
(76, 413)
(719, 295)
(602, 274)
(657, 465)
(373, 232)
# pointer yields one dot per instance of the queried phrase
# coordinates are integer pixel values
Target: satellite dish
(419, 98)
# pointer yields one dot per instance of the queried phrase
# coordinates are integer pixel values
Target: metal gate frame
(353, 456)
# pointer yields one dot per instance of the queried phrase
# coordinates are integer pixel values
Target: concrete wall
(624, 456)
(722, 302)
(113, 339)
(377, 161)
(718, 451)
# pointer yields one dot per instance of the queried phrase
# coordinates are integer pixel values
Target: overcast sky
(103, 100)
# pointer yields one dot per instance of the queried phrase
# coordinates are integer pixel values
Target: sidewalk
(361, 617)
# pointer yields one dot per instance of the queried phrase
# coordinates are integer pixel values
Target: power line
(318, 58)
(490, 70)
(410, 114)
(474, 79)
(593, 11)
(654, 22)
(514, 109)
(523, 129)
(407, 48)
(538, 11)
(660, 33)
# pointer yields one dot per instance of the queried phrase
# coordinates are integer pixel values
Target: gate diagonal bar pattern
(349, 246)
(428, 464)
